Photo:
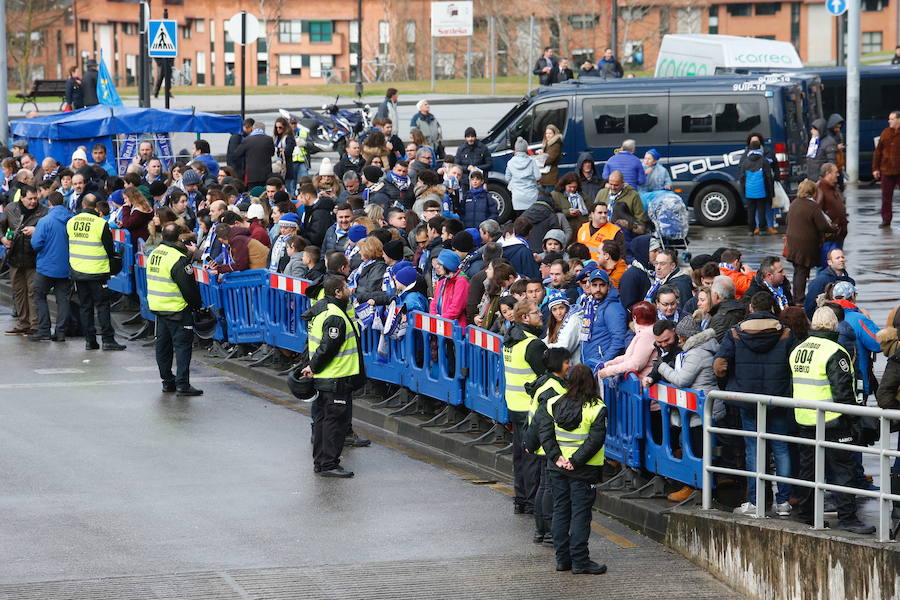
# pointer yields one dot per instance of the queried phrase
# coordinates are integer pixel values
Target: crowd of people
(576, 283)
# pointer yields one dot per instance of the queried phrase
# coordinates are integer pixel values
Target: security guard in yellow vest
(822, 371)
(91, 251)
(523, 362)
(573, 433)
(173, 295)
(300, 156)
(336, 366)
(547, 387)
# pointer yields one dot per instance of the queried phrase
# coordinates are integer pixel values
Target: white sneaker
(783, 509)
(747, 509)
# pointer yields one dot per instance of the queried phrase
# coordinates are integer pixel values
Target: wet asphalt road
(111, 489)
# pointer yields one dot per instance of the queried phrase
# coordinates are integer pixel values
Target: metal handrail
(762, 402)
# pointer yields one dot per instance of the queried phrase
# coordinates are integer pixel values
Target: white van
(689, 55)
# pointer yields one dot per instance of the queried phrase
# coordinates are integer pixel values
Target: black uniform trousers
(573, 500)
(840, 465)
(94, 295)
(175, 338)
(330, 428)
(526, 466)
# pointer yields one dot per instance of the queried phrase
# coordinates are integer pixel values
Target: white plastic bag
(780, 200)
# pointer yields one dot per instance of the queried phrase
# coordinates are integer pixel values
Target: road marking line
(57, 371)
(615, 538)
(503, 489)
(97, 383)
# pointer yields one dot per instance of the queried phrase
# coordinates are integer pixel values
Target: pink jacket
(638, 356)
(453, 292)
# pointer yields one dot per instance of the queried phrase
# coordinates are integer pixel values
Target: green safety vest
(300, 154)
(552, 388)
(518, 373)
(163, 294)
(810, 378)
(570, 441)
(346, 362)
(86, 251)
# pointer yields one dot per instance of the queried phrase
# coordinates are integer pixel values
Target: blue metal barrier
(624, 419)
(286, 302)
(210, 294)
(436, 350)
(385, 358)
(140, 286)
(660, 458)
(123, 282)
(245, 301)
(485, 382)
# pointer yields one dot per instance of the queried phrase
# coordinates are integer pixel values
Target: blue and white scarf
(778, 292)
(402, 183)
(674, 318)
(353, 280)
(278, 250)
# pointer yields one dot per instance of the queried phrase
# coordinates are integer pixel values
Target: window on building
(632, 14)
(320, 64)
(384, 38)
(262, 42)
(795, 23)
(229, 43)
(871, 41)
(70, 49)
(186, 30)
(320, 31)
(84, 25)
(290, 64)
(201, 68)
(290, 32)
(743, 9)
(714, 19)
(874, 5)
(583, 21)
(129, 28)
(200, 26)
(764, 37)
(688, 20)
(767, 8)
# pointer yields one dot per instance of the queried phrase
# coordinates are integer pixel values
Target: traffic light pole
(853, 49)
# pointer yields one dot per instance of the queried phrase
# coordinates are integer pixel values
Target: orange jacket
(616, 273)
(741, 281)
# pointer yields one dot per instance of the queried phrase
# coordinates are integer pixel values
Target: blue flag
(106, 89)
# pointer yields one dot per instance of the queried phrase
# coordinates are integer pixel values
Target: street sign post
(243, 29)
(452, 19)
(836, 7)
(163, 43)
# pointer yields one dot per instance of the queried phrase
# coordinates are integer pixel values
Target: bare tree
(26, 25)
(270, 12)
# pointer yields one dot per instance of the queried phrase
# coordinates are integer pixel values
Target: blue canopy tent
(60, 134)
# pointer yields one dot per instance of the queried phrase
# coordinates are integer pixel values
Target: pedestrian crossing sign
(162, 39)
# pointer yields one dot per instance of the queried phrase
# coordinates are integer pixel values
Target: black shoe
(39, 337)
(563, 566)
(518, 509)
(857, 526)
(189, 391)
(537, 537)
(58, 338)
(548, 540)
(591, 568)
(528, 510)
(338, 472)
(885, 225)
(168, 386)
(354, 441)
(91, 345)
(113, 346)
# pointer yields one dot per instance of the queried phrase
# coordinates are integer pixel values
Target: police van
(699, 125)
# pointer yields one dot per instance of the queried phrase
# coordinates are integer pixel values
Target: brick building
(303, 42)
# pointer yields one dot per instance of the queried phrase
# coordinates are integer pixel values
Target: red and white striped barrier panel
(141, 260)
(436, 326)
(674, 396)
(118, 235)
(288, 284)
(484, 340)
(201, 275)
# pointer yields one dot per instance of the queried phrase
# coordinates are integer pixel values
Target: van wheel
(715, 206)
(500, 194)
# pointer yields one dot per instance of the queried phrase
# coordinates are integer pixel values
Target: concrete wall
(781, 560)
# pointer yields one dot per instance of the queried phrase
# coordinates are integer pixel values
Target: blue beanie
(406, 276)
(289, 220)
(356, 233)
(654, 153)
(449, 260)
(476, 236)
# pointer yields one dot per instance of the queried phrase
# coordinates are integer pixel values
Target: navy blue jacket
(753, 356)
(817, 286)
(636, 281)
(51, 242)
(521, 257)
(478, 207)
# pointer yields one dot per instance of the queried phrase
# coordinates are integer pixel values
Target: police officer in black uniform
(336, 366)
(173, 295)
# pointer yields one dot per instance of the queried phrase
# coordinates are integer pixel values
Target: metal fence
(881, 449)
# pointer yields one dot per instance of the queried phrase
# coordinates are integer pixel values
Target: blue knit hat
(356, 233)
(406, 276)
(449, 260)
(289, 220)
(654, 153)
(476, 236)
(557, 297)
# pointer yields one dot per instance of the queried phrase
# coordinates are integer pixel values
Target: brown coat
(553, 150)
(830, 199)
(806, 228)
(369, 152)
(887, 153)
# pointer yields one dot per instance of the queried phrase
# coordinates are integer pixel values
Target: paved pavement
(112, 489)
